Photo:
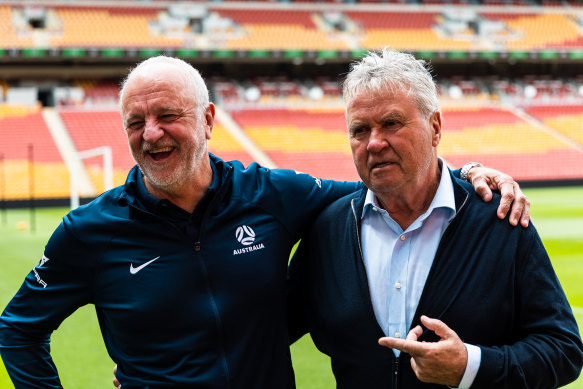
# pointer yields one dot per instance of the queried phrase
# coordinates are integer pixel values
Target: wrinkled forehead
(141, 85)
(375, 96)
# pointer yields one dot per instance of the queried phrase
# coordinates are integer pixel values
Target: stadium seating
(108, 27)
(310, 141)
(91, 129)
(287, 28)
(226, 147)
(550, 31)
(13, 35)
(501, 139)
(99, 92)
(403, 31)
(526, 124)
(277, 30)
(31, 163)
(566, 119)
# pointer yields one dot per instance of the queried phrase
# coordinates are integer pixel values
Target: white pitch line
(577, 310)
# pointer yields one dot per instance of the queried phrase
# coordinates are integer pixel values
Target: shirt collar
(444, 197)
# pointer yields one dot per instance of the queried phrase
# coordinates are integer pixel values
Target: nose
(152, 131)
(377, 140)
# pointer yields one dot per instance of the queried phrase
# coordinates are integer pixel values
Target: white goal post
(104, 151)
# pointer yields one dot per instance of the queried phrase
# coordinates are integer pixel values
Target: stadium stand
(566, 119)
(500, 138)
(310, 141)
(539, 30)
(106, 27)
(14, 33)
(280, 30)
(226, 146)
(524, 118)
(277, 26)
(41, 174)
(96, 92)
(93, 129)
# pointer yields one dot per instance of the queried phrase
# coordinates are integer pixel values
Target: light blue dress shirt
(398, 262)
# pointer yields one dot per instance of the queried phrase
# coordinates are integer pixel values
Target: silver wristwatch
(466, 169)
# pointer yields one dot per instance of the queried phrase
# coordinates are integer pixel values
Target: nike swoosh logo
(134, 270)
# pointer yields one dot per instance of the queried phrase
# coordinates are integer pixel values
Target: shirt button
(398, 285)
(397, 334)
(375, 209)
(402, 237)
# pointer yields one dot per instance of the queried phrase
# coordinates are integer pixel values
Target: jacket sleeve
(546, 350)
(53, 290)
(297, 198)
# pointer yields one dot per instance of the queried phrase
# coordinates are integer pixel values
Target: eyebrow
(165, 109)
(131, 117)
(355, 125)
(392, 116)
(157, 111)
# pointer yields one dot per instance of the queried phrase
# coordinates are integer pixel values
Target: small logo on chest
(246, 236)
(134, 270)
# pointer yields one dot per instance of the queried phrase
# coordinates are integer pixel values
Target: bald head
(189, 83)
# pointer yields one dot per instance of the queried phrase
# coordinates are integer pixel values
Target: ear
(435, 123)
(209, 117)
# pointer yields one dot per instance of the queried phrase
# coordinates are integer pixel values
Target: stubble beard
(169, 178)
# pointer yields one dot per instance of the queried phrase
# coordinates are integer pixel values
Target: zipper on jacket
(431, 271)
(396, 373)
(217, 197)
(357, 232)
(197, 248)
(218, 321)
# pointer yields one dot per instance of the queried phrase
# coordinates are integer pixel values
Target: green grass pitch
(81, 357)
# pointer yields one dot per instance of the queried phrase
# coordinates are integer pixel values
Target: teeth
(161, 150)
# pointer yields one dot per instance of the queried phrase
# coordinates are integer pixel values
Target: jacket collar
(129, 193)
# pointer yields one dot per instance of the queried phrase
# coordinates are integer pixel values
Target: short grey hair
(393, 70)
(190, 78)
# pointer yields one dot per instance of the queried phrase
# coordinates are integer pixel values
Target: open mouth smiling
(160, 153)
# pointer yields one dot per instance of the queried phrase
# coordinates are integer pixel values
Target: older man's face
(166, 132)
(393, 144)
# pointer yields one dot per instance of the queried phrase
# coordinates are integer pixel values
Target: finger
(415, 333)
(482, 189)
(521, 206)
(439, 327)
(410, 347)
(525, 218)
(507, 192)
(517, 206)
(115, 381)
